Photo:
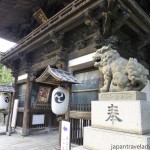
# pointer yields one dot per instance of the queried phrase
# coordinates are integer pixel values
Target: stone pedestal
(100, 139)
(119, 120)
(129, 116)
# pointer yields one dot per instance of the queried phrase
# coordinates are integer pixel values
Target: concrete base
(125, 116)
(100, 139)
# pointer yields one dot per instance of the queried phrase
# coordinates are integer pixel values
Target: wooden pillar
(15, 96)
(59, 130)
(68, 112)
(27, 104)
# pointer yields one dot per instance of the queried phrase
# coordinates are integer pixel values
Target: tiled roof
(56, 76)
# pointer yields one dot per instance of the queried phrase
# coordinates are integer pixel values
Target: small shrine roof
(56, 76)
(6, 88)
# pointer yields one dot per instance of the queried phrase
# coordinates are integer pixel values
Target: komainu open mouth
(98, 60)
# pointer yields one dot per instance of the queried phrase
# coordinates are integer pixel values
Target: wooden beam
(80, 115)
(140, 23)
(41, 34)
(80, 91)
(136, 14)
(133, 26)
(137, 11)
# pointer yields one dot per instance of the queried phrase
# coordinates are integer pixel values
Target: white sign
(14, 116)
(65, 135)
(38, 119)
(24, 76)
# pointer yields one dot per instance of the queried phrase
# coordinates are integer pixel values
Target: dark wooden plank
(80, 115)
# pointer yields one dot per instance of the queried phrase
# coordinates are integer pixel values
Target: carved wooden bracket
(101, 41)
(108, 16)
(61, 62)
(90, 20)
(81, 44)
(11, 64)
(111, 5)
(14, 74)
(32, 75)
(107, 21)
(57, 38)
(105, 13)
(25, 63)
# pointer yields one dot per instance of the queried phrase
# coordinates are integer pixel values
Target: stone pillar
(27, 104)
(120, 120)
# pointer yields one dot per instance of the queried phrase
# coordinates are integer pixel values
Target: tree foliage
(5, 75)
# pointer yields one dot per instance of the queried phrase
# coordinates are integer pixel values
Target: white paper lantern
(60, 100)
(4, 101)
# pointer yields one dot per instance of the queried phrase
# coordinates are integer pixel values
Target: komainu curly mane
(119, 74)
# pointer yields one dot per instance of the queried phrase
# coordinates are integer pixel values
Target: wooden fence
(80, 117)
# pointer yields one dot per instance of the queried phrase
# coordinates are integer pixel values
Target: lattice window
(21, 94)
(84, 93)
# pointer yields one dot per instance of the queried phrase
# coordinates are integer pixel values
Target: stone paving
(47, 141)
(2, 129)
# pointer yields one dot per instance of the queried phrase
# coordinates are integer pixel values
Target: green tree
(5, 75)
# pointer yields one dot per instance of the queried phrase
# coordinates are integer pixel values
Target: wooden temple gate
(68, 40)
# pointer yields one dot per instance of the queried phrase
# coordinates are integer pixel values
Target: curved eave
(56, 76)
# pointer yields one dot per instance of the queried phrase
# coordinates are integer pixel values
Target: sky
(5, 45)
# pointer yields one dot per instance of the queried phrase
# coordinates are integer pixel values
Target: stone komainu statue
(119, 74)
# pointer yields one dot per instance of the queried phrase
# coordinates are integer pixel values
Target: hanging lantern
(60, 100)
(4, 101)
